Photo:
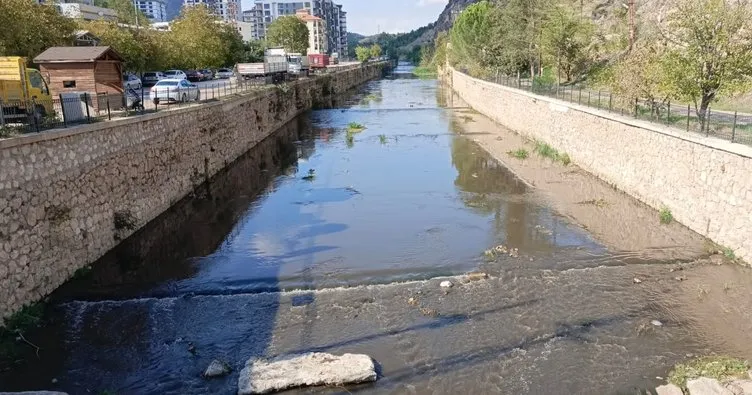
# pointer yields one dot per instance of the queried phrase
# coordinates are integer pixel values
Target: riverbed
(320, 239)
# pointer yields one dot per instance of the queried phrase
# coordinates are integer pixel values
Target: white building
(156, 10)
(86, 12)
(265, 12)
(317, 32)
(227, 10)
(245, 29)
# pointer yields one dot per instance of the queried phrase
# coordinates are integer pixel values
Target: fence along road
(731, 126)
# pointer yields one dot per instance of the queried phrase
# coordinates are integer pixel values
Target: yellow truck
(24, 95)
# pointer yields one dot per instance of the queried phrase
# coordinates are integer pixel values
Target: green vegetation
(354, 127)
(699, 54)
(363, 53)
(30, 28)
(383, 139)
(717, 367)
(290, 33)
(545, 150)
(519, 154)
(12, 334)
(427, 72)
(350, 140)
(666, 216)
(728, 253)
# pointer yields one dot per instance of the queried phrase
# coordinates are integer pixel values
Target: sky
(369, 17)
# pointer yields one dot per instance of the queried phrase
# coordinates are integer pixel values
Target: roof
(76, 54)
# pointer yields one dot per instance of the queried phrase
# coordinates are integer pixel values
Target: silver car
(152, 77)
(224, 74)
(174, 90)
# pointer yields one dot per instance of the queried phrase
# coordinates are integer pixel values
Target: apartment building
(317, 32)
(156, 10)
(86, 12)
(227, 10)
(334, 17)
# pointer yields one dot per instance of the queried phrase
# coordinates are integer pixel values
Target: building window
(69, 84)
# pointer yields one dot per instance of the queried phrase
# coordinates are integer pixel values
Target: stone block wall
(69, 196)
(705, 182)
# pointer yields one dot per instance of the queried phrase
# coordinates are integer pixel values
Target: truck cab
(23, 92)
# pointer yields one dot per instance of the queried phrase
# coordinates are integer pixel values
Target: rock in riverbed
(706, 386)
(217, 368)
(446, 284)
(668, 389)
(262, 376)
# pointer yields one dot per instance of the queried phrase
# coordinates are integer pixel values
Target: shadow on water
(118, 327)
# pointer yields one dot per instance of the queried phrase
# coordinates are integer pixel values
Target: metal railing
(732, 126)
(73, 109)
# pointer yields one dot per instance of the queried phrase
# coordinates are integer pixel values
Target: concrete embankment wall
(69, 196)
(705, 182)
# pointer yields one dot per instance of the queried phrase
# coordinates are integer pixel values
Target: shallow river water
(265, 261)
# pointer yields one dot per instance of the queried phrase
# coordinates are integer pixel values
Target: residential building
(86, 12)
(317, 32)
(227, 10)
(245, 29)
(334, 17)
(156, 10)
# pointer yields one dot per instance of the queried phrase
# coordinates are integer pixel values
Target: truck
(24, 95)
(318, 61)
(274, 67)
(298, 64)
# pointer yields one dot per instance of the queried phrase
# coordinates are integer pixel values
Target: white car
(224, 74)
(175, 74)
(130, 81)
(174, 90)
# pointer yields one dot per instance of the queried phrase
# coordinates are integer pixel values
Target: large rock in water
(262, 376)
(668, 389)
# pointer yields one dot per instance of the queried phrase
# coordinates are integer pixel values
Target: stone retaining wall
(705, 182)
(69, 196)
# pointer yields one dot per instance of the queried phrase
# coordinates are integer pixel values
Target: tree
(290, 33)
(126, 12)
(471, 38)
(710, 52)
(639, 76)
(516, 35)
(375, 51)
(29, 28)
(566, 37)
(197, 40)
(122, 40)
(362, 53)
(232, 43)
(253, 51)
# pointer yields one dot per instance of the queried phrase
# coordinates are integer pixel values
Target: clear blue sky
(392, 16)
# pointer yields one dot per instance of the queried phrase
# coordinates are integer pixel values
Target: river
(319, 241)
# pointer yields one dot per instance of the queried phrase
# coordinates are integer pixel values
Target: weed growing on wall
(519, 154)
(666, 216)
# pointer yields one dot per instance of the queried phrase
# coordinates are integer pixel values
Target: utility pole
(632, 28)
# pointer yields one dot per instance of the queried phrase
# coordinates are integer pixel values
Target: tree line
(196, 40)
(698, 52)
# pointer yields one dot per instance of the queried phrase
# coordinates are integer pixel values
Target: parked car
(152, 77)
(208, 74)
(224, 74)
(194, 75)
(175, 74)
(130, 81)
(174, 90)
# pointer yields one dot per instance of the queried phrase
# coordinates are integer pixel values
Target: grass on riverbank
(717, 367)
(547, 151)
(425, 72)
(354, 127)
(519, 154)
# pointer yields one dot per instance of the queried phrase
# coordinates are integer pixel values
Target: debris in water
(514, 253)
(680, 278)
(475, 175)
(636, 280)
(429, 312)
(217, 368)
(477, 276)
(54, 381)
(412, 302)
(446, 284)
(191, 348)
(262, 376)
(656, 323)
(311, 175)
